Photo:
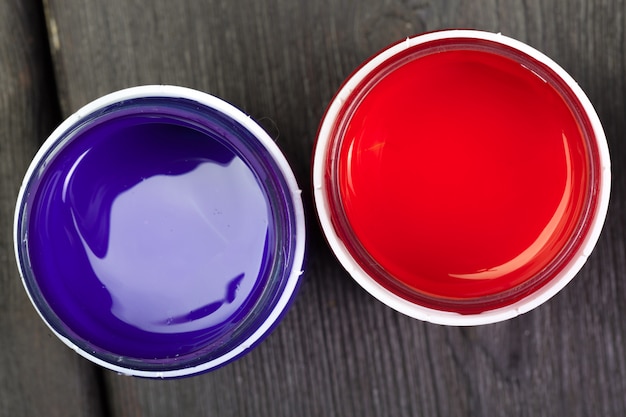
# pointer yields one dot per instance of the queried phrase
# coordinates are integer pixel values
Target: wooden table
(338, 352)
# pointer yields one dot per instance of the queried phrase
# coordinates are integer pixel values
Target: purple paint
(157, 234)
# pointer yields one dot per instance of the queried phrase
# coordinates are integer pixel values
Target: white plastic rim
(391, 299)
(168, 91)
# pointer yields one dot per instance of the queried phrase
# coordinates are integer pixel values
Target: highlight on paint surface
(151, 261)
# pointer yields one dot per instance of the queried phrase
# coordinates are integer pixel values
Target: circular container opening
(461, 177)
(160, 232)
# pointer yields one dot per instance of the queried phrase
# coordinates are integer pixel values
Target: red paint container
(461, 177)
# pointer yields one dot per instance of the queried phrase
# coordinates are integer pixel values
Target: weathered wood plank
(38, 376)
(339, 352)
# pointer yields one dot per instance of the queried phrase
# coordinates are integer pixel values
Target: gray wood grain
(338, 351)
(38, 376)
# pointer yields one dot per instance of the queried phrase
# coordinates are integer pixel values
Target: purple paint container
(159, 232)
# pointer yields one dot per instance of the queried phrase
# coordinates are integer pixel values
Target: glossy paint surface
(150, 238)
(462, 174)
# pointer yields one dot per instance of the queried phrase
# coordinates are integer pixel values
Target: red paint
(463, 175)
